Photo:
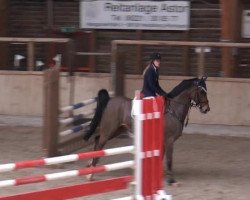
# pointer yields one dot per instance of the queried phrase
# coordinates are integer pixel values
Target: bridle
(197, 102)
(194, 102)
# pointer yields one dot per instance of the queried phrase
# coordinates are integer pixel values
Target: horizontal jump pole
(77, 117)
(78, 105)
(66, 174)
(65, 159)
(75, 191)
(81, 104)
(75, 129)
(123, 198)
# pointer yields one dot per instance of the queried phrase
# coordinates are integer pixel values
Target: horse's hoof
(90, 177)
(171, 181)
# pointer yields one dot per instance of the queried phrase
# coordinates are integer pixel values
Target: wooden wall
(28, 18)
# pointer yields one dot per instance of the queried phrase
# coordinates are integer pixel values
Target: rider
(151, 85)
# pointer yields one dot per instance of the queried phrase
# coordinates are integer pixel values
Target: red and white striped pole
(65, 159)
(148, 128)
(66, 174)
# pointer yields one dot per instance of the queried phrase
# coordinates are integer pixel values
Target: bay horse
(114, 114)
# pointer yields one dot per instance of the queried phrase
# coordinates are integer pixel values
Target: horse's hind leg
(99, 144)
(95, 147)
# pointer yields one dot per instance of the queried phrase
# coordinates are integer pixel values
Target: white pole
(137, 112)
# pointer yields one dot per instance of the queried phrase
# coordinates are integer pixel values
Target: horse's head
(199, 95)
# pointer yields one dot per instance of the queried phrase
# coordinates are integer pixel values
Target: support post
(139, 53)
(92, 48)
(117, 70)
(201, 61)
(201, 51)
(70, 49)
(31, 55)
(230, 26)
(51, 101)
(186, 57)
(50, 18)
(113, 66)
(120, 60)
(3, 32)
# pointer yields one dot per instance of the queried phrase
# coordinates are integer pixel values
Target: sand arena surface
(207, 167)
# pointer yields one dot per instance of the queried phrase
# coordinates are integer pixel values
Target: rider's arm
(161, 92)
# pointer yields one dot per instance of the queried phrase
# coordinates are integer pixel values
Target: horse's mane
(185, 84)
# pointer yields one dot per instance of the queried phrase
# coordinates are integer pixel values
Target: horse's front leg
(169, 159)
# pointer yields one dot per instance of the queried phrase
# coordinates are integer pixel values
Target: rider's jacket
(151, 85)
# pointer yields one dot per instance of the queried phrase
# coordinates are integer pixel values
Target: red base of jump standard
(75, 191)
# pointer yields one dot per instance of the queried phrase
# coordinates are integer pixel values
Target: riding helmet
(155, 56)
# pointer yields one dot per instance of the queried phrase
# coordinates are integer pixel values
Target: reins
(172, 112)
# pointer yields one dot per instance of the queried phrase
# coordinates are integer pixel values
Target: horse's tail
(102, 101)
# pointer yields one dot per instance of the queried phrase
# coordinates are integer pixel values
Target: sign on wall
(146, 15)
(246, 24)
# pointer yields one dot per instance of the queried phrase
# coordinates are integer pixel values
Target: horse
(114, 114)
